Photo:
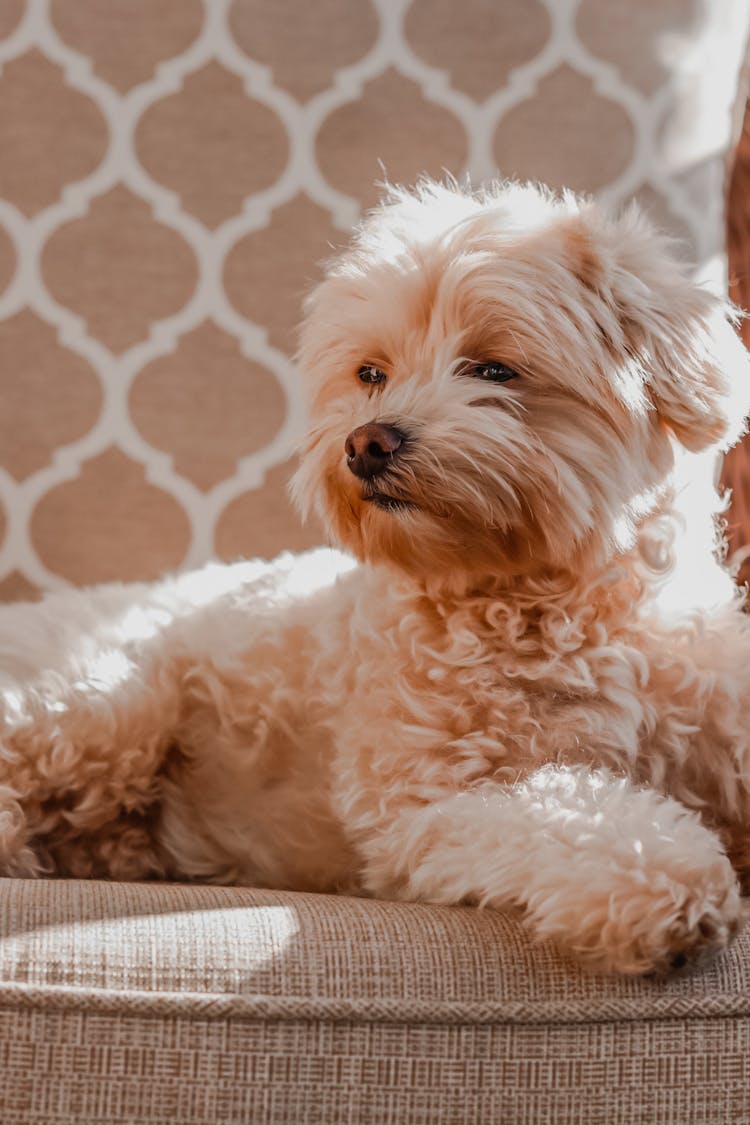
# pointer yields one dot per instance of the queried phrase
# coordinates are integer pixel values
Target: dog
(523, 682)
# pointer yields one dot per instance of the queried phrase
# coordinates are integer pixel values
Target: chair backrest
(172, 174)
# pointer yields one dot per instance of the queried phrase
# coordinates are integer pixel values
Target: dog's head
(496, 382)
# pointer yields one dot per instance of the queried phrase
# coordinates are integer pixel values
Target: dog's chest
(431, 694)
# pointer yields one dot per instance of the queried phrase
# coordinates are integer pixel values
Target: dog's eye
(492, 372)
(369, 373)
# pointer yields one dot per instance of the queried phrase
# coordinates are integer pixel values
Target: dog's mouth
(386, 503)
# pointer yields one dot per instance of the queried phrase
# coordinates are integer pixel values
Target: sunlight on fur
(524, 681)
(106, 671)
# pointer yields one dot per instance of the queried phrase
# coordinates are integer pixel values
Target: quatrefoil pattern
(172, 173)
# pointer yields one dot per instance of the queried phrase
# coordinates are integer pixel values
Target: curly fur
(531, 689)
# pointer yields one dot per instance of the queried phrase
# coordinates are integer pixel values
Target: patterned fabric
(175, 1004)
(172, 173)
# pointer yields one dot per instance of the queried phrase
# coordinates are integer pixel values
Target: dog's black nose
(369, 448)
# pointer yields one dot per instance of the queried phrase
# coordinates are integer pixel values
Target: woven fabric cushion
(176, 1004)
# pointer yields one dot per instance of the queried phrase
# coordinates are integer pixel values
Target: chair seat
(167, 1003)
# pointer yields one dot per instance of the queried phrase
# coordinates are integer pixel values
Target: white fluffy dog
(533, 691)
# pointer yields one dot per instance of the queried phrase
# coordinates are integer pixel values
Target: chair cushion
(167, 1003)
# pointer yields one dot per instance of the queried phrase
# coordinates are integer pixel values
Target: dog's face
(495, 382)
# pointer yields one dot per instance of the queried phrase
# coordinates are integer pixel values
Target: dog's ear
(676, 334)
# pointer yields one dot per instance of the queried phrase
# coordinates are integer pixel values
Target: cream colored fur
(530, 692)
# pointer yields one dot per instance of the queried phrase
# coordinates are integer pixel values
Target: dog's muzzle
(370, 449)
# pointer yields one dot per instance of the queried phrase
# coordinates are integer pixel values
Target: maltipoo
(531, 691)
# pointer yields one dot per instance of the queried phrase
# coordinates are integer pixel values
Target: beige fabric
(70, 1068)
(151, 1003)
(172, 173)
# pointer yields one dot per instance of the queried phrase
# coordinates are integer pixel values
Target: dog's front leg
(623, 877)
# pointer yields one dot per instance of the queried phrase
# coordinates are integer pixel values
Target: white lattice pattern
(670, 132)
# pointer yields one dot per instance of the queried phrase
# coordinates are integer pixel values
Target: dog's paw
(703, 926)
(669, 926)
(628, 879)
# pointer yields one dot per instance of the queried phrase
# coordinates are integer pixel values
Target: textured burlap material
(175, 1004)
